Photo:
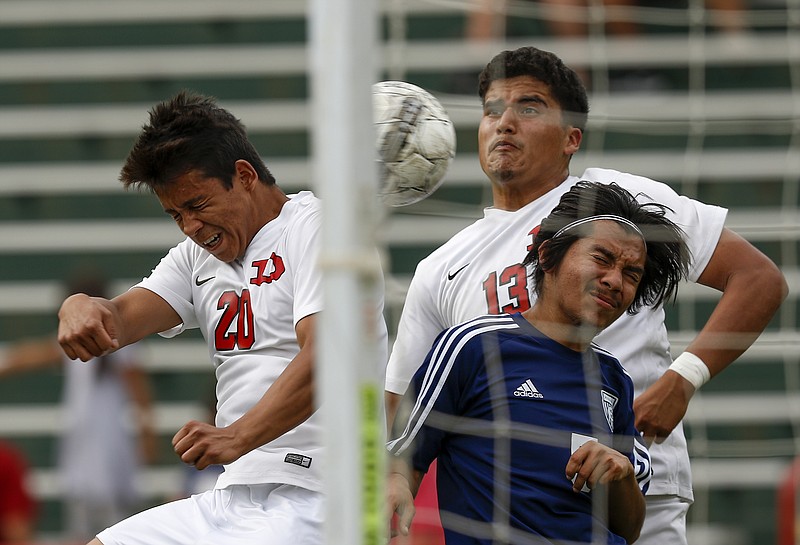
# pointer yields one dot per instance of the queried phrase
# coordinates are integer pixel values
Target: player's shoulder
(463, 345)
(636, 184)
(609, 361)
(462, 237)
(449, 252)
(472, 329)
(604, 355)
(300, 218)
(481, 238)
(302, 204)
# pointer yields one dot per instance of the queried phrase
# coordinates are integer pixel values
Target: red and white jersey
(478, 271)
(247, 311)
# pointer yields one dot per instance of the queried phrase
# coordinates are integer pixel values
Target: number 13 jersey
(478, 271)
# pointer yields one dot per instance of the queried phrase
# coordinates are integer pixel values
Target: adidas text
(527, 389)
(518, 393)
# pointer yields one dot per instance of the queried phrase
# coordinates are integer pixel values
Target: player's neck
(269, 201)
(514, 194)
(557, 328)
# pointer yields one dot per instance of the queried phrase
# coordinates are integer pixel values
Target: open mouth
(211, 241)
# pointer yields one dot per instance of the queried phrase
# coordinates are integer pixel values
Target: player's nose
(190, 224)
(611, 278)
(507, 121)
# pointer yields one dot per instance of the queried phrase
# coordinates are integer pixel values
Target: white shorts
(665, 521)
(267, 514)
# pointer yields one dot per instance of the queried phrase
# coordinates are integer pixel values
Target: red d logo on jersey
(268, 270)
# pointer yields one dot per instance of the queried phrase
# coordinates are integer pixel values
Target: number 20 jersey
(247, 311)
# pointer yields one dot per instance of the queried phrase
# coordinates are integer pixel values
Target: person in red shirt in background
(17, 506)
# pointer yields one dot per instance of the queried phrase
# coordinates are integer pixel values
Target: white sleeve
(418, 327)
(304, 242)
(172, 281)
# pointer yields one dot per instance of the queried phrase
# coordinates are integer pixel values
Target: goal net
(703, 95)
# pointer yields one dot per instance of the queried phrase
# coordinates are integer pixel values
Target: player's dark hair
(185, 133)
(564, 83)
(668, 255)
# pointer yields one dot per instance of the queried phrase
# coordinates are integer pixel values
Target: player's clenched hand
(200, 444)
(662, 406)
(400, 501)
(594, 463)
(87, 327)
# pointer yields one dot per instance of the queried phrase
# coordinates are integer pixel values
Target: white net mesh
(702, 95)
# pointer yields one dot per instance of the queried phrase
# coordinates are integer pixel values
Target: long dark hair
(668, 255)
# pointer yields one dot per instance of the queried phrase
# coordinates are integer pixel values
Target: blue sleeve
(624, 425)
(435, 394)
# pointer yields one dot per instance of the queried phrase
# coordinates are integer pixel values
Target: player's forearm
(753, 289)
(402, 485)
(140, 313)
(748, 303)
(626, 508)
(392, 401)
(288, 402)
(398, 465)
(285, 405)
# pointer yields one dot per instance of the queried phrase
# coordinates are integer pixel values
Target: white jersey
(479, 271)
(247, 311)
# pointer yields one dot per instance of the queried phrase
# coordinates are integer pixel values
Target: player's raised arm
(752, 289)
(92, 326)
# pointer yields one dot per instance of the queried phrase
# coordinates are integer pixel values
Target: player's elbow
(782, 283)
(762, 282)
(773, 287)
(633, 536)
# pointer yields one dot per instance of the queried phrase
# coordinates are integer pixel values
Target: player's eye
(633, 276)
(493, 110)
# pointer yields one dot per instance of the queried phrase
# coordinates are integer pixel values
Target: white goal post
(343, 64)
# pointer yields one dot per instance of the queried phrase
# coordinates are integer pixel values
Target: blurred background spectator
(17, 506)
(107, 424)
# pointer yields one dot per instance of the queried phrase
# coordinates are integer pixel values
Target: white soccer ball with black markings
(416, 141)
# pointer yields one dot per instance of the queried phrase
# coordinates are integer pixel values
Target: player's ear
(574, 137)
(245, 173)
(543, 252)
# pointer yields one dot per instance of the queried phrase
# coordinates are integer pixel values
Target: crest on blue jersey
(609, 402)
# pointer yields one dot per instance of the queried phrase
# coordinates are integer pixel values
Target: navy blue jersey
(500, 405)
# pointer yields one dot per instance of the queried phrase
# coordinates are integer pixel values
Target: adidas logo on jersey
(527, 389)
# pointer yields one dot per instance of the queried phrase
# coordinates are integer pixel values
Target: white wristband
(692, 369)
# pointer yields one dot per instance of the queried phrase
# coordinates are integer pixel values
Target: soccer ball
(416, 141)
